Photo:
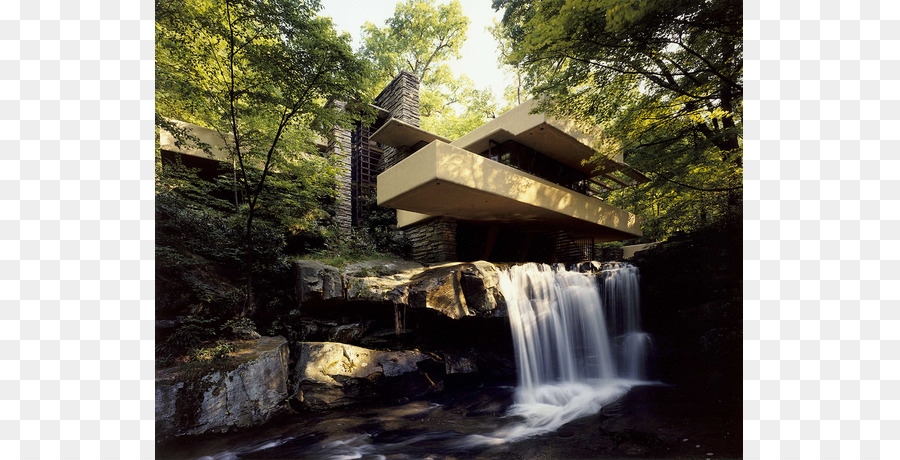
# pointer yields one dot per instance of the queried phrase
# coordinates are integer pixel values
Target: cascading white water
(622, 305)
(558, 326)
(568, 367)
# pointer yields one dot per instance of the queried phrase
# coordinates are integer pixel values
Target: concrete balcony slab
(444, 180)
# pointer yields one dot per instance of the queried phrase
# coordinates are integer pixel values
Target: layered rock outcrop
(455, 290)
(373, 280)
(316, 282)
(247, 389)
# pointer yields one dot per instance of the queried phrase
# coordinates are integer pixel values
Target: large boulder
(330, 374)
(316, 282)
(437, 289)
(481, 288)
(455, 290)
(247, 389)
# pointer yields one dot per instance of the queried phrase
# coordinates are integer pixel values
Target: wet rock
(246, 390)
(330, 374)
(456, 290)
(590, 266)
(456, 364)
(316, 282)
(439, 289)
(481, 288)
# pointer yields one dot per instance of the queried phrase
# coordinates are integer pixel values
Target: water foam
(568, 367)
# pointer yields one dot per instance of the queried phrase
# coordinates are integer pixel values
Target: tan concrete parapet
(445, 180)
(562, 140)
(216, 141)
(407, 218)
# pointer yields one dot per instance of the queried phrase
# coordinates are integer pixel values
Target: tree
(422, 38)
(513, 95)
(267, 75)
(457, 108)
(663, 78)
(418, 38)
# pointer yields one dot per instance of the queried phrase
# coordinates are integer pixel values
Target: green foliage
(665, 81)
(200, 254)
(422, 38)
(379, 230)
(197, 339)
(241, 328)
(268, 77)
(358, 246)
(217, 351)
(375, 238)
(419, 38)
(455, 106)
(189, 335)
(516, 94)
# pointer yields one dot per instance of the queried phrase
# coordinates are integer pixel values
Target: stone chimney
(401, 98)
(340, 147)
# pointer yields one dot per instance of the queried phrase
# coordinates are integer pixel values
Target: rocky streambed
(380, 331)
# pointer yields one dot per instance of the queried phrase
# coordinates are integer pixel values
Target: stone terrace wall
(434, 241)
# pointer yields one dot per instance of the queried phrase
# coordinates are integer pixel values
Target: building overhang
(562, 140)
(215, 143)
(398, 133)
(444, 180)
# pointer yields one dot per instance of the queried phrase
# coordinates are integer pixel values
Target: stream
(583, 391)
(650, 421)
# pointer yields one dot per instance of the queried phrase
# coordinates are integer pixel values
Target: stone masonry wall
(343, 207)
(401, 99)
(434, 240)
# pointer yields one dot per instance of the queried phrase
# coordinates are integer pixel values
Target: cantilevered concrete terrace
(444, 180)
(459, 179)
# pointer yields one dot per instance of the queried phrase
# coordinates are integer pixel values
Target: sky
(479, 52)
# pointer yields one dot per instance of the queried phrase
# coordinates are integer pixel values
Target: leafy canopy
(269, 76)
(418, 38)
(263, 71)
(423, 38)
(665, 81)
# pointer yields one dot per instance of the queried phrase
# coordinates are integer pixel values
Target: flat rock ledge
(246, 390)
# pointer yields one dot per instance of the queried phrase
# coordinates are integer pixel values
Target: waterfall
(622, 305)
(578, 342)
(558, 326)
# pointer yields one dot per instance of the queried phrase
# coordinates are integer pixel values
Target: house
(516, 188)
